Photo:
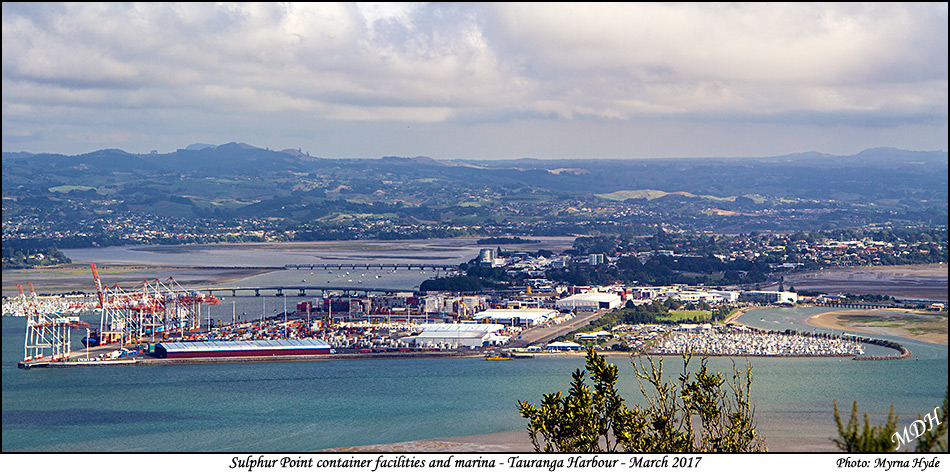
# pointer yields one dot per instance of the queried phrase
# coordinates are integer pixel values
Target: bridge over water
(367, 266)
(866, 306)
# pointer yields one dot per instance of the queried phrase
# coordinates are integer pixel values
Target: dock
(139, 360)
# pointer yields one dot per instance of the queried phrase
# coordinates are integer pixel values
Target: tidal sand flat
(921, 326)
(77, 277)
(917, 281)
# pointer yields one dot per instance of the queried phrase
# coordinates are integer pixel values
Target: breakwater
(903, 351)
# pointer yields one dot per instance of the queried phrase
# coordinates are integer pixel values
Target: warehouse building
(222, 349)
(564, 346)
(458, 335)
(769, 297)
(522, 317)
(589, 302)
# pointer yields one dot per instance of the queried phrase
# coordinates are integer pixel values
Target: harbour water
(301, 406)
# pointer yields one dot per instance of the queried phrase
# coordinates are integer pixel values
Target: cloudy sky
(477, 80)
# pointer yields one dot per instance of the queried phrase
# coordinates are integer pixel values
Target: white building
(594, 336)
(522, 317)
(695, 296)
(490, 258)
(589, 302)
(728, 296)
(564, 346)
(458, 334)
(648, 293)
(769, 297)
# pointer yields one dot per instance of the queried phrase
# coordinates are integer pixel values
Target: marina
(746, 341)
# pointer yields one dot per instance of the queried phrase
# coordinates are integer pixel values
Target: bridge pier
(301, 292)
(233, 293)
(280, 292)
(257, 292)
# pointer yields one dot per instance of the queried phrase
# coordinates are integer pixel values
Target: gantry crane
(156, 309)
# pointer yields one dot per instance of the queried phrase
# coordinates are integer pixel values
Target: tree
(884, 438)
(695, 414)
(935, 440)
(869, 438)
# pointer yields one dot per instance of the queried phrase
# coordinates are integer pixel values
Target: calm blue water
(300, 406)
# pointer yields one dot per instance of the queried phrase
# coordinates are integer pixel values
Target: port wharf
(358, 340)
(145, 359)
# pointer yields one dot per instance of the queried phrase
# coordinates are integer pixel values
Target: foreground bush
(700, 412)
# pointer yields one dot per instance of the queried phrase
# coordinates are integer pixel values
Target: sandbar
(925, 281)
(77, 277)
(931, 332)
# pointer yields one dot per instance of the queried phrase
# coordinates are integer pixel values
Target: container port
(163, 323)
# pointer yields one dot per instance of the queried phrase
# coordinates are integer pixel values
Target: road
(534, 336)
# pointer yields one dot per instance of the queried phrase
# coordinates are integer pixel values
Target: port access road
(539, 335)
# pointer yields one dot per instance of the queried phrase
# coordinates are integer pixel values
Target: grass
(654, 194)
(68, 188)
(908, 321)
(679, 315)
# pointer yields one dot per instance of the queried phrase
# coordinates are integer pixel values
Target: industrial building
(522, 317)
(218, 349)
(769, 297)
(490, 258)
(458, 335)
(589, 302)
(594, 336)
(564, 346)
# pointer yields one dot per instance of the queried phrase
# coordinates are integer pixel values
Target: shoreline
(830, 321)
(735, 316)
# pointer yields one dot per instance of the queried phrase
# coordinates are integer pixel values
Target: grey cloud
(471, 65)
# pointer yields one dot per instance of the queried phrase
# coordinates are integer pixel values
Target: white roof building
(524, 316)
(458, 334)
(594, 336)
(564, 346)
(589, 302)
(769, 297)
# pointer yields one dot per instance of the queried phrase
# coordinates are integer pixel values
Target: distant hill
(206, 187)
(873, 174)
(199, 146)
(229, 158)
